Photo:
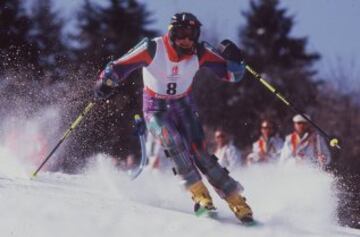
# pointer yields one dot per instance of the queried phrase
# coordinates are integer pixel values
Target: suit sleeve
(224, 69)
(139, 56)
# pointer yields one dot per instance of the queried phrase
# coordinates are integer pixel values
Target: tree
(271, 50)
(15, 48)
(105, 33)
(267, 41)
(46, 34)
(282, 60)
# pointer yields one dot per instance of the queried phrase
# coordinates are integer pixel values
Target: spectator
(305, 144)
(229, 156)
(268, 147)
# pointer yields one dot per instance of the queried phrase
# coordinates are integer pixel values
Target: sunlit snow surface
(287, 200)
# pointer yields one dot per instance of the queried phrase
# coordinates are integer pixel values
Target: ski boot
(202, 198)
(241, 209)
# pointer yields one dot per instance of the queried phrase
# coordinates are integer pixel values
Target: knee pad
(175, 150)
(184, 166)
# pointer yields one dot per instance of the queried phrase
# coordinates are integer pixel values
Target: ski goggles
(186, 32)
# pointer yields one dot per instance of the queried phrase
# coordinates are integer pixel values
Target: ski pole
(333, 142)
(66, 134)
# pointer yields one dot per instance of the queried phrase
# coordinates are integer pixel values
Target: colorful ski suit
(169, 109)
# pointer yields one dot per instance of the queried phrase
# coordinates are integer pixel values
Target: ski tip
(251, 223)
(203, 211)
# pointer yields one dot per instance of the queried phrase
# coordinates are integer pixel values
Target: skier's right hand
(106, 82)
(109, 77)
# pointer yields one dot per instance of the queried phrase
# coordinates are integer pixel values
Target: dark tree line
(282, 60)
(35, 53)
(34, 46)
(14, 35)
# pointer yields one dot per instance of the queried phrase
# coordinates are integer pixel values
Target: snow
(287, 199)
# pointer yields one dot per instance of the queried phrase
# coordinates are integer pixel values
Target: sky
(330, 25)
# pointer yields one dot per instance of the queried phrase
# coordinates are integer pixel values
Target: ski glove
(230, 51)
(110, 78)
(233, 56)
(105, 84)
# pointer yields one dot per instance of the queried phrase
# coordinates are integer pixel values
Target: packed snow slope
(287, 200)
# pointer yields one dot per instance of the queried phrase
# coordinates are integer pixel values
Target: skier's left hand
(230, 51)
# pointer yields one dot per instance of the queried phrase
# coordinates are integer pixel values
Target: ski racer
(169, 64)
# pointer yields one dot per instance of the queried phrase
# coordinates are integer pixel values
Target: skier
(169, 64)
(268, 147)
(305, 144)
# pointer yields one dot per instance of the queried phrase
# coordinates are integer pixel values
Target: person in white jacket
(305, 144)
(229, 156)
(268, 147)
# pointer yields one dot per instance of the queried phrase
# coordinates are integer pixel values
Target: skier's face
(182, 32)
(185, 43)
(185, 36)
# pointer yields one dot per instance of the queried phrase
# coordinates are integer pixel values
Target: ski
(202, 211)
(140, 129)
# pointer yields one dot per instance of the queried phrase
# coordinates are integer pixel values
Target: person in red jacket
(169, 64)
